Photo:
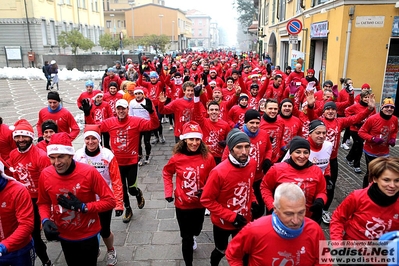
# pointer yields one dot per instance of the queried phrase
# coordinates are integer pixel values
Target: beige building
(358, 39)
(34, 26)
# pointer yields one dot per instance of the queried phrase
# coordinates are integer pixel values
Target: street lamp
(161, 16)
(131, 3)
(173, 34)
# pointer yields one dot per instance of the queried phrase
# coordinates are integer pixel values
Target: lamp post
(161, 16)
(131, 3)
(173, 35)
(113, 22)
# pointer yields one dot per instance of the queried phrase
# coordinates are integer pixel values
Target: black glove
(269, 69)
(241, 69)
(71, 203)
(199, 193)
(141, 69)
(118, 213)
(140, 59)
(148, 105)
(39, 139)
(195, 78)
(266, 165)
(256, 210)
(197, 90)
(50, 230)
(239, 221)
(172, 71)
(222, 143)
(186, 78)
(86, 106)
(317, 210)
(159, 68)
(205, 78)
(169, 199)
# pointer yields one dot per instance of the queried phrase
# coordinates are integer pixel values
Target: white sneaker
(207, 212)
(147, 161)
(111, 258)
(345, 146)
(195, 243)
(170, 127)
(348, 142)
(326, 217)
(140, 163)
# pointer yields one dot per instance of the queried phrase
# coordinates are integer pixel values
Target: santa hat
(213, 70)
(98, 94)
(191, 130)
(22, 128)
(92, 130)
(2, 172)
(139, 89)
(60, 143)
(254, 74)
(217, 89)
(212, 82)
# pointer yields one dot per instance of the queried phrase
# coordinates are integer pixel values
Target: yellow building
(47, 18)
(338, 39)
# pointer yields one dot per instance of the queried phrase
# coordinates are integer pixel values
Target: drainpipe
(348, 39)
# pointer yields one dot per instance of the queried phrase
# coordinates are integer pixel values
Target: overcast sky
(221, 11)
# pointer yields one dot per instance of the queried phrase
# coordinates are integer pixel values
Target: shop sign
(369, 22)
(319, 30)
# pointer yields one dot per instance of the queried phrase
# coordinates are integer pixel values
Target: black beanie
(330, 105)
(327, 82)
(286, 100)
(298, 143)
(235, 71)
(113, 84)
(315, 124)
(242, 96)
(251, 114)
(53, 95)
(235, 137)
(49, 124)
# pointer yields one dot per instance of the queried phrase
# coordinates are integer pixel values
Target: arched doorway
(272, 49)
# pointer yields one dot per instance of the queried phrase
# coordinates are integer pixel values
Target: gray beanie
(235, 137)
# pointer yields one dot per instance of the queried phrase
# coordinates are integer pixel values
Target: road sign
(293, 39)
(294, 26)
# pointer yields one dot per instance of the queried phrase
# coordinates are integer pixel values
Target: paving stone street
(152, 236)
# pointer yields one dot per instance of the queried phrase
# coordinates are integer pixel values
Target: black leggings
(221, 239)
(159, 131)
(129, 182)
(105, 139)
(261, 203)
(105, 221)
(331, 183)
(368, 158)
(355, 154)
(40, 246)
(147, 145)
(81, 253)
(190, 223)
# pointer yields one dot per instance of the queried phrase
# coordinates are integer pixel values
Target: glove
(173, 70)
(140, 59)
(169, 199)
(141, 69)
(195, 78)
(392, 142)
(50, 230)
(239, 221)
(269, 69)
(3, 250)
(71, 203)
(39, 139)
(197, 90)
(118, 213)
(86, 106)
(256, 210)
(317, 210)
(222, 143)
(199, 193)
(266, 165)
(335, 91)
(377, 140)
(186, 78)
(205, 78)
(148, 106)
(293, 87)
(310, 86)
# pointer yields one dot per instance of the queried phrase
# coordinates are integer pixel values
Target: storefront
(318, 48)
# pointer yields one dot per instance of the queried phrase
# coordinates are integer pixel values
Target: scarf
(384, 116)
(269, 119)
(249, 133)
(92, 153)
(54, 111)
(379, 197)
(237, 163)
(284, 231)
(178, 81)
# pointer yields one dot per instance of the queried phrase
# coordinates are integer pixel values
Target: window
(44, 32)
(85, 31)
(266, 13)
(83, 3)
(108, 23)
(67, 2)
(119, 24)
(200, 21)
(64, 27)
(273, 11)
(95, 6)
(199, 32)
(115, 1)
(70, 26)
(321, 1)
(52, 32)
(282, 11)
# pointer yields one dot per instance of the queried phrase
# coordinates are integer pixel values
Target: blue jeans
(24, 256)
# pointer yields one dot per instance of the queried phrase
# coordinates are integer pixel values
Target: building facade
(356, 39)
(201, 28)
(33, 26)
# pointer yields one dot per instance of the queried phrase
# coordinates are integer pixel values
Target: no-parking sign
(294, 26)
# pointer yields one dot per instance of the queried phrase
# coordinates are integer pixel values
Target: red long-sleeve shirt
(64, 120)
(85, 182)
(7, 143)
(108, 80)
(112, 99)
(275, 131)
